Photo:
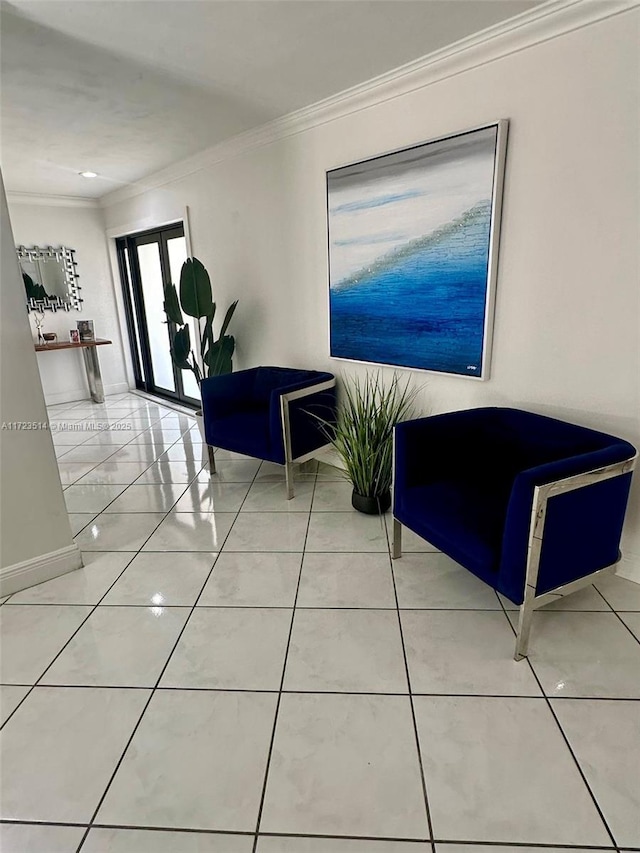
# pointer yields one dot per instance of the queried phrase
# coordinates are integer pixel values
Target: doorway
(148, 261)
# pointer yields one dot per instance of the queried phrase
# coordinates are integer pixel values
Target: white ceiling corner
(129, 87)
(200, 79)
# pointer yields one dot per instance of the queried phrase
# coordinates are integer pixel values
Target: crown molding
(51, 200)
(540, 24)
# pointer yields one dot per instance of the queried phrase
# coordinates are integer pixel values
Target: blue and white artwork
(413, 253)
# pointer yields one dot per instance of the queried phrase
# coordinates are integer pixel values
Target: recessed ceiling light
(89, 174)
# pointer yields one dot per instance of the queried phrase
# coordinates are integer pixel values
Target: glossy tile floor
(232, 672)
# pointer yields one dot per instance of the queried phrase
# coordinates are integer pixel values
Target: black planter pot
(371, 506)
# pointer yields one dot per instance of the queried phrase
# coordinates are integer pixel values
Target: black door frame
(137, 328)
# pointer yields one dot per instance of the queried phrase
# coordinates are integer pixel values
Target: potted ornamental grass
(362, 435)
(195, 299)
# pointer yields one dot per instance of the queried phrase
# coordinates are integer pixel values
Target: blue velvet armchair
(268, 413)
(532, 505)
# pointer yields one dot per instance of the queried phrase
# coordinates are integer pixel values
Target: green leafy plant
(363, 432)
(34, 290)
(196, 300)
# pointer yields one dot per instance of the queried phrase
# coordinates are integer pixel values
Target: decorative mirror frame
(65, 257)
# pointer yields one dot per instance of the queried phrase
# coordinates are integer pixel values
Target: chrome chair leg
(212, 459)
(396, 548)
(524, 630)
(288, 472)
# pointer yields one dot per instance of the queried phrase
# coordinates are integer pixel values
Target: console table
(91, 363)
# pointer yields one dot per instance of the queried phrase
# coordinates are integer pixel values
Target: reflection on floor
(233, 672)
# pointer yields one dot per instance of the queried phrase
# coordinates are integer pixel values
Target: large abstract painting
(413, 249)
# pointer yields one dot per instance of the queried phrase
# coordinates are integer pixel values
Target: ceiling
(126, 87)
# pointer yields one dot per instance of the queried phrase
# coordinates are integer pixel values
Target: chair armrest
(223, 395)
(315, 395)
(582, 526)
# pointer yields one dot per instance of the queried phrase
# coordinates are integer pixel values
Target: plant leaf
(172, 305)
(206, 339)
(363, 431)
(220, 355)
(181, 347)
(195, 289)
(227, 318)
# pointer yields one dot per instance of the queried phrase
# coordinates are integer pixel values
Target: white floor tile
(156, 841)
(272, 472)
(584, 655)
(435, 581)
(253, 580)
(79, 520)
(137, 453)
(212, 497)
(345, 765)
(32, 838)
(464, 651)
(182, 451)
(162, 580)
(330, 473)
(497, 769)
(218, 743)
(31, 636)
(178, 421)
(158, 498)
(90, 498)
(119, 647)
(272, 497)
(183, 531)
(282, 844)
(90, 453)
(411, 542)
(119, 531)
(333, 497)
(632, 621)
(82, 586)
(111, 473)
(171, 472)
(231, 649)
(235, 470)
(68, 439)
(622, 594)
(346, 580)
(157, 436)
(490, 848)
(137, 420)
(357, 651)
(10, 697)
(268, 531)
(60, 750)
(605, 738)
(333, 531)
(70, 472)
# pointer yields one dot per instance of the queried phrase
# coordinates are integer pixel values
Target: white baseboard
(39, 569)
(79, 394)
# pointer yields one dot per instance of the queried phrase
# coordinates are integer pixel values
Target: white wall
(566, 330)
(82, 229)
(35, 540)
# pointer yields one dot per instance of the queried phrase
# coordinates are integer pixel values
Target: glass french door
(148, 261)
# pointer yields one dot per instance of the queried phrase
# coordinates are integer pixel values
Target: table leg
(94, 377)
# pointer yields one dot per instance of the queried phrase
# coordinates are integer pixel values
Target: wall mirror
(50, 278)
